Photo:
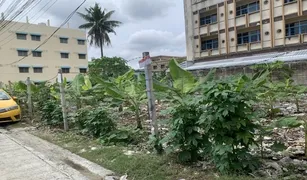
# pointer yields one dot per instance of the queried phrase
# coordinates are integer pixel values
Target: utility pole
(63, 100)
(146, 63)
(29, 101)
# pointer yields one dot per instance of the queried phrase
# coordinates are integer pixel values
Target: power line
(21, 17)
(28, 25)
(2, 2)
(67, 19)
(53, 78)
(23, 7)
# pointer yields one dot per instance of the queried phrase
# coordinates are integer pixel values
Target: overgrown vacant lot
(139, 165)
(245, 126)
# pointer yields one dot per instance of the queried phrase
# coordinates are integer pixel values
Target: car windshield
(4, 96)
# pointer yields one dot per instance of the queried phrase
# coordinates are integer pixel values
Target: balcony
(295, 39)
(241, 20)
(304, 38)
(254, 17)
(213, 27)
(291, 8)
(255, 45)
(203, 30)
(242, 47)
(205, 53)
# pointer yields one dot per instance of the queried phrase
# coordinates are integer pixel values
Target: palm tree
(99, 25)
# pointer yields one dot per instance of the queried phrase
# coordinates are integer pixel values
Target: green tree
(99, 23)
(107, 67)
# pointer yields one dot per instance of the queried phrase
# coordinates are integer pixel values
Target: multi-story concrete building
(219, 29)
(21, 57)
(160, 63)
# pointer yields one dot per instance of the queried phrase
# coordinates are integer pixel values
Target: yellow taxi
(9, 109)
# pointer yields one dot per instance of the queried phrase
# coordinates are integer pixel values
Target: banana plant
(126, 89)
(183, 83)
(78, 89)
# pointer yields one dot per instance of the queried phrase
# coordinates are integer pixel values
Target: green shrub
(228, 121)
(94, 122)
(185, 134)
(51, 113)
(217, 123)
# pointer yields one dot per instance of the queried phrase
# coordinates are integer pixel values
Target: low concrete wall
(299, 69)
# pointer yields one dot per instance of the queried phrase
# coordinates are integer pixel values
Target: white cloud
(156, 26)
(146, 9)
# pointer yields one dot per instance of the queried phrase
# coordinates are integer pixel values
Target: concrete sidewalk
(19, 163)
(24, 156)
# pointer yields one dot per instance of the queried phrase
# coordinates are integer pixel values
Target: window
(296, 28)
(83, 70)
(22, 53)
(155, 67)
(64, 55)
(82, 56)
(37, 54)
(248, 37)
(81, 42)
(248, 8)
(36, 37)
(209, 44)
(38, 70)
(23, 69)
(162, 66)
(64, 40)
(65, 70)
(288, 1)
(21, 36)
(4, 96)
(208, 19)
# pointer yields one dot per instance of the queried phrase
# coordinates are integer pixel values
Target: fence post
(63, 100)
(10, 88)
(146, 62)
(29, 101)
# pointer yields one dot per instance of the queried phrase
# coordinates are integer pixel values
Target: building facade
(160, 63)
(27, 51)
(223, 28)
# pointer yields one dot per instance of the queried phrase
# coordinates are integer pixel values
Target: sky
(156, 26)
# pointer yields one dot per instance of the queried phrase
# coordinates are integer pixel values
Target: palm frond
(100, 24)
(86, 26)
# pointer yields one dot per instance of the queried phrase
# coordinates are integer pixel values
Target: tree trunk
(297, 105)
(101, 47)
(138, 119)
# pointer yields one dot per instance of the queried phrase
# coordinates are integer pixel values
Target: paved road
(24, 156)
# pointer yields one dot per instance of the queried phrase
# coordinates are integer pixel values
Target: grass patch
(138, 166)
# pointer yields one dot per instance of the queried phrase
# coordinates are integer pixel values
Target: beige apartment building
(218, 29)
(160, 63)
(20, 57)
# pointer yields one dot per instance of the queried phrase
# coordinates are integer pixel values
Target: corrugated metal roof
(250, 60)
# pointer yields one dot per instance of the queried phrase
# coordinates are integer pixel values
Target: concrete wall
(270, 20)
(51, 59)
(299, 69)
